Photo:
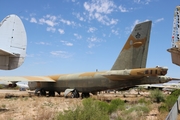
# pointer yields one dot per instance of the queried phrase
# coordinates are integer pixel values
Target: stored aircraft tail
(13, 42)
(134, 53)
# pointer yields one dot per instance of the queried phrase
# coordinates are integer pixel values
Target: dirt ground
(21, 106)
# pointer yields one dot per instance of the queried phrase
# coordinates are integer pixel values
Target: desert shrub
(134, 112)
(169, 101)
(140, 107)
(163, 108)
(1, 86)
(92, 110)
(144, 101)
(44, 114)
(104, 106)
(80, 114)
(116, 104)
(175, 93)
(11, 96)
(157, 96)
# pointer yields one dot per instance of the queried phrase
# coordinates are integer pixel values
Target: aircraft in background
(128, 70)
(22, 86)
(9, 84)
(164, 86)
(13, 42)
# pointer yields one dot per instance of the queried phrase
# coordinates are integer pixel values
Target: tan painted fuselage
(98, 81)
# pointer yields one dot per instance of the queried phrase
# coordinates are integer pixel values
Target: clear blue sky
(71, 36)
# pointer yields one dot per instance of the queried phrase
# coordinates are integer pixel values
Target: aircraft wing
(158, 86)
(151, 86)
(28, 78)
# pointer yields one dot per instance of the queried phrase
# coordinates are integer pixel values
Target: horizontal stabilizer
(6, 53)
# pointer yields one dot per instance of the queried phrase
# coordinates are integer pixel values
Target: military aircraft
(13, 42)
(164, 86)
(9, 84)
(128, 70)
(22, 86)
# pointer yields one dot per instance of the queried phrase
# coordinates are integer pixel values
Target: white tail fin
(13, 42)
(135, 50)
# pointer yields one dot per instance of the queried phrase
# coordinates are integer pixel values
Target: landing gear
(40, 92)
(59, 93)
(85, 95)
(75, 94)
(43, 92)
(51, 93)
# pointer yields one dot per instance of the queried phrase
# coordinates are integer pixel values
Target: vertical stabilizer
(13, 42)
(135, 50)
(175, 49)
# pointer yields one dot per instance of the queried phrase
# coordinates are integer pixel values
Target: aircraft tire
(36, 92)
(52, 93)
(85, 95)
(59, 93)
(43, 92)
(75, 94)
(72, 95)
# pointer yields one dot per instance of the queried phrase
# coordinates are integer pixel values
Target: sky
(72, 36)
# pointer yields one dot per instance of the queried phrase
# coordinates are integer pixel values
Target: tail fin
(13, 42)
(134, 52)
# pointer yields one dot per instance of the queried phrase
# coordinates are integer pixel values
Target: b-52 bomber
(128, 70)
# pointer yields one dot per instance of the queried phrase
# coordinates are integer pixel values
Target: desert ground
(20, 105)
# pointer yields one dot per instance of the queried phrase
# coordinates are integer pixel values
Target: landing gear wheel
(36, 92)
(85, 95)
(75, 94)
(59, 93)
(43, 92)
(52, 93)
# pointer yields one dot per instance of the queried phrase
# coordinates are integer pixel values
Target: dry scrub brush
(35, 108)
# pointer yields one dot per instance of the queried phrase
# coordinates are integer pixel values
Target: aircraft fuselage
(98, 81)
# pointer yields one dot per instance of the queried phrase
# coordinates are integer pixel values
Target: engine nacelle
(12, 85)
(9, 84)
